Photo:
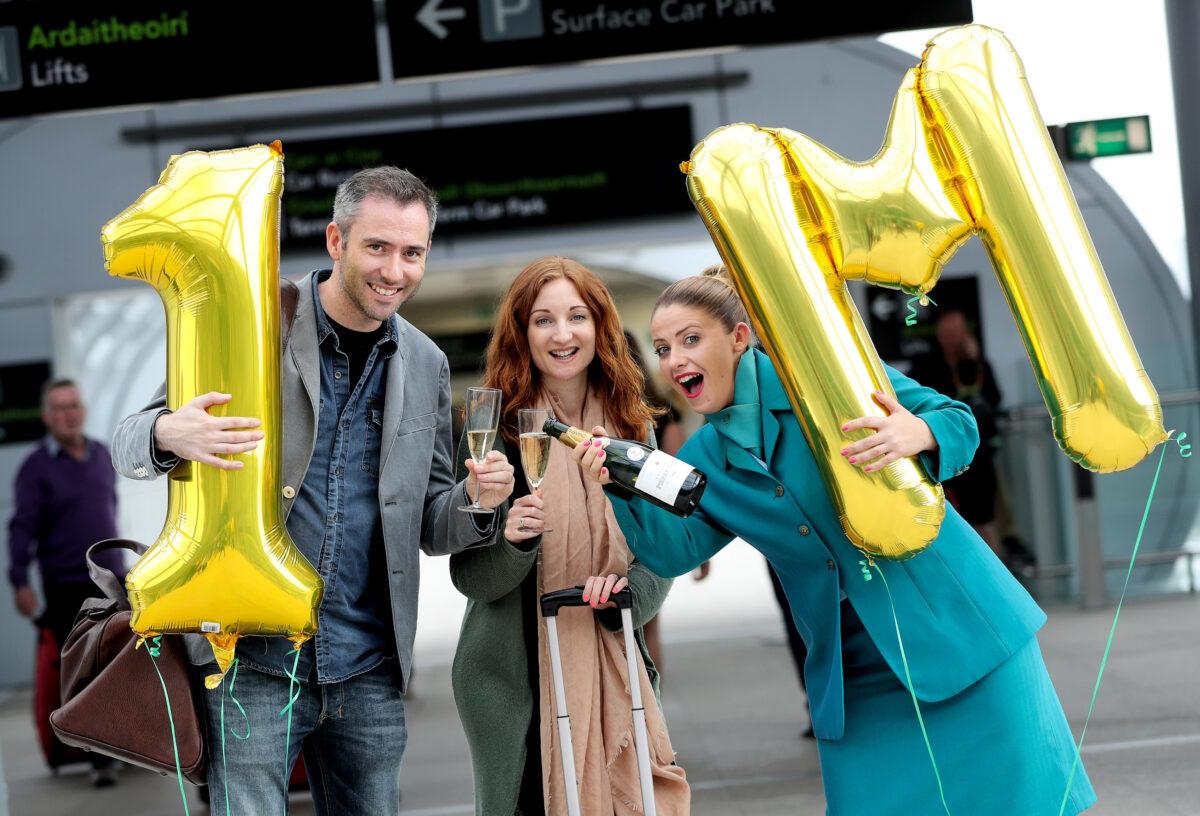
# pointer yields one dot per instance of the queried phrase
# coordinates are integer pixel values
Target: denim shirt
(335, 520)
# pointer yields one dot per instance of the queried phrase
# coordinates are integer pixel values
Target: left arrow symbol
(431, 16)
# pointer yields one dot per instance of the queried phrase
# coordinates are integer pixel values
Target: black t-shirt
(356, 346)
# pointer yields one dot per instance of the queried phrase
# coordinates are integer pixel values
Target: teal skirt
(1003, 746)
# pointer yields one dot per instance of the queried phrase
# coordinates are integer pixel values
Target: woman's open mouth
(691, 383)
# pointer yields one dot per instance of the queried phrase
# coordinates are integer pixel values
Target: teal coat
(961, 613)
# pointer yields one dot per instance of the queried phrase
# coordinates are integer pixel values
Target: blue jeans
(353, 735)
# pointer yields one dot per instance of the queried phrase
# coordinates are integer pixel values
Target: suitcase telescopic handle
(554, 601)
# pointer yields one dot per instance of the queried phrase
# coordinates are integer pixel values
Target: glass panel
(115, 347)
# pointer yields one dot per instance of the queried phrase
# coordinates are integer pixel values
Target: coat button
(778, 490)
(829, 565)
(804, 529)
(289, 492)
(337, 375)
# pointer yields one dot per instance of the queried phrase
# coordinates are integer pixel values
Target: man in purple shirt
(65, 501)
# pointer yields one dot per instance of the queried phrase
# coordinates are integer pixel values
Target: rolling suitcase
(551, 603)
(46, 698)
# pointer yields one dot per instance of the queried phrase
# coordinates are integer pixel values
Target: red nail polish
(604, 599)
(852, 460)
(585, 597)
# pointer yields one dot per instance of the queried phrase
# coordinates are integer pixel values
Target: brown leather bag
(112, 698)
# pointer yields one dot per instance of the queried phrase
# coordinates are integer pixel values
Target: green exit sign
(1108, 137)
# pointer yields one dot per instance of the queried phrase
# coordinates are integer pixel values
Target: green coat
(490, 675)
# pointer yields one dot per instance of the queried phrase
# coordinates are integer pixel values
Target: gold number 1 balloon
(206, 237)
(965, 153)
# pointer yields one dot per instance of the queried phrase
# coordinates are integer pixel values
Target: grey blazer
(417, 492)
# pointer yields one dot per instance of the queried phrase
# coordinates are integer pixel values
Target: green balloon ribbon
(245, 719)
(910, 319)
(293, 696)
(937, 775)
(1185, 451)
(154, 647)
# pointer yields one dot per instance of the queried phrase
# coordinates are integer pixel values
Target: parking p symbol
(510, 19)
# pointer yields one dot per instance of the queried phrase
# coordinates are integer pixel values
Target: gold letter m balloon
(965, 153)
(206, 237)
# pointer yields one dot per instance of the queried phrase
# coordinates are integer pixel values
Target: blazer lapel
(393, 400)
(302, 345)
(300, 382)
(739, 457)
(773, 399)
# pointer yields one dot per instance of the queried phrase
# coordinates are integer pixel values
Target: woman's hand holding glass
(535, 458)
(526, 519)
(898, 435)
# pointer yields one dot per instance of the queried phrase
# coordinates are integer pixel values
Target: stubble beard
(357, 296)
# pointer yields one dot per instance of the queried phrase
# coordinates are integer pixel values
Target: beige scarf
(586, 540)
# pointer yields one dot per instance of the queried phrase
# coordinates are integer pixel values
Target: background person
(958, 369)
(65, 500)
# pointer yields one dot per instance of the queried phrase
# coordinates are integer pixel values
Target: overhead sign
(1108, 137)
(21, 401)
(510, 175)
(72, 55)
(447, 36)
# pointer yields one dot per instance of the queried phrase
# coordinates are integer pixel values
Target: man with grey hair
(368, 481)
(65, 501)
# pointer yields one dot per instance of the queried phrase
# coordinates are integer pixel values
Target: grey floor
(735, 718)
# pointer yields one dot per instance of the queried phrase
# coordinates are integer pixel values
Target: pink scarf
(586, 540)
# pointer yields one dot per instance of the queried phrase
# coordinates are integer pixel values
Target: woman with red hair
(558, 345)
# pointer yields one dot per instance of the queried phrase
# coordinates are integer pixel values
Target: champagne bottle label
(662, 476)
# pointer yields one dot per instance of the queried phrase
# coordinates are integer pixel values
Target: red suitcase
(299, 778)
(46, 698)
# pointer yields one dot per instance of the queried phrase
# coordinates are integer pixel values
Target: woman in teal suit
(997, 729)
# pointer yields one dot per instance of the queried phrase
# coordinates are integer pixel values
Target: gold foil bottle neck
(569, 435)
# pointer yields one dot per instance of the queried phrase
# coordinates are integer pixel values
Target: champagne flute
(483, 418)
(535, 451)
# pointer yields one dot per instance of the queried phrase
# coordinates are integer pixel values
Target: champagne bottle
(657, 477)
